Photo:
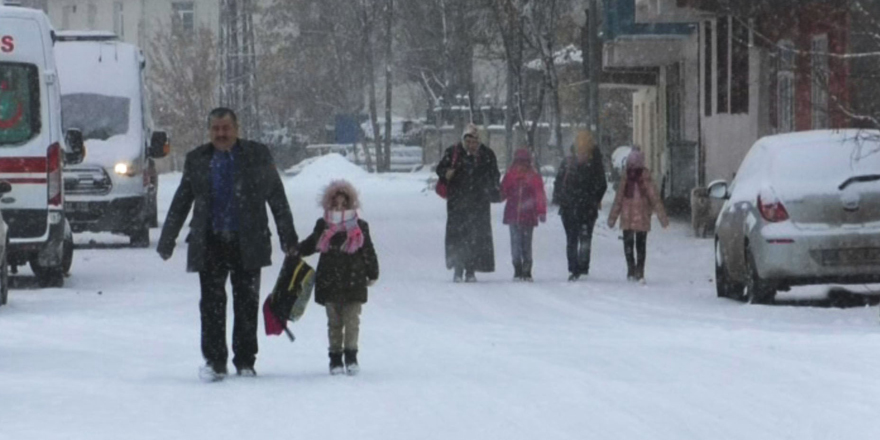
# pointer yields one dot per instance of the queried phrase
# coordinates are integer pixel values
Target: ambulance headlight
(123, 169)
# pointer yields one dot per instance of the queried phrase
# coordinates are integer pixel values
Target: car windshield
(19, 103)
(99, 117)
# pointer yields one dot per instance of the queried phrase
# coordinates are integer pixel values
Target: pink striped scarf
(342, 221)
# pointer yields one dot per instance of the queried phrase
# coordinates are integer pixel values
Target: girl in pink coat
(636, 200)
(523, 189)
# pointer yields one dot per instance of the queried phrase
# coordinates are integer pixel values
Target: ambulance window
(19, 103)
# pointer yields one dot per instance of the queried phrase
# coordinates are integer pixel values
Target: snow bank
(329, 167)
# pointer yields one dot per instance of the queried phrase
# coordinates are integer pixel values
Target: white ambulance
(104, 96)
(33, 149)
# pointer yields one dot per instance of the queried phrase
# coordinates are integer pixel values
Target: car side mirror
(719, 190)
(159, 146)
(77, 146)
(5, 187)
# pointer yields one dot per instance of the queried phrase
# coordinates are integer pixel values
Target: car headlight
(123, 168)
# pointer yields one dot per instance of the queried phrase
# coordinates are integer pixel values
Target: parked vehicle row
(76, 144)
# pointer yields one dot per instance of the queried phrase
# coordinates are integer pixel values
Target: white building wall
(690, 71)
(647, 126)
(143, 19)
(728, 137)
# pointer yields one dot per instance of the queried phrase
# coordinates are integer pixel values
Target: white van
(104, 96)
(33, 150)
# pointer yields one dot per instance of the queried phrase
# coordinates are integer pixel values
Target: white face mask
(336, 216)
(340, 216)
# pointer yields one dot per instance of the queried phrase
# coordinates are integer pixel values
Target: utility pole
(592, 43)
(389, 63)
(238, 61)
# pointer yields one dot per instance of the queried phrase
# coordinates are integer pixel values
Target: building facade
(728, 73)
(135, 21)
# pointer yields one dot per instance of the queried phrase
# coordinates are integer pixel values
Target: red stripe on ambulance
(23, 165)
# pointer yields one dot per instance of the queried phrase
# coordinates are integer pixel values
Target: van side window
(19, 103)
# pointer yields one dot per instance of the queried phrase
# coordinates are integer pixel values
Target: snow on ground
(114, 354)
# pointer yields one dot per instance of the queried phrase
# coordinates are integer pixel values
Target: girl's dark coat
(342, 277)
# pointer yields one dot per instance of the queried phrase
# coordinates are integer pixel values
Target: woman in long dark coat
(470, 171)
(578, 190)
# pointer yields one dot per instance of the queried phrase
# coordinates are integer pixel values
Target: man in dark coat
(578, 190)
(470, 171)
(228, 183)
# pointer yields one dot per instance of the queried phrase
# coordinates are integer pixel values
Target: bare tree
(438, 40)
(523, 26)
(389, 78)
(183, 85)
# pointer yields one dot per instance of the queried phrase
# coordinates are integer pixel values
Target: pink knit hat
(522, 155)
(635, 159)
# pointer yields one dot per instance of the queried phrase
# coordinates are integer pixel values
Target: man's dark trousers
(223, 258)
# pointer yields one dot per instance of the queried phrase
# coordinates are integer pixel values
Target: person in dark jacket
(470, 171)
(228, 183)
(348, 265)
(578, 190)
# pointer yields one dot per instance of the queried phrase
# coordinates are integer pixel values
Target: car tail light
(54, 176)
(772, 209)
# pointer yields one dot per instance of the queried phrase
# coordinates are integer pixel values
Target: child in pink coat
(636, 200)
(523, 189)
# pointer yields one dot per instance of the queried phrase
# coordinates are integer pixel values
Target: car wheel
(4, 278)
(758, 291)
(724, 287)
(67, 255)
(140, 238)
(48, 276)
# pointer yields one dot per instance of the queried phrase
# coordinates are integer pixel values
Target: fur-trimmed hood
(335, 187)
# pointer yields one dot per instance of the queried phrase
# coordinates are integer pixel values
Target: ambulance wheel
(67, 254)
(140, 238)
(4, 278)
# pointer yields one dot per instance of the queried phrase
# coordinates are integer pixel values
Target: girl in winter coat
(635, 201)
(523, 189)
(347, 266)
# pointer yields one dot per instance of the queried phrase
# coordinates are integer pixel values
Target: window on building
(92, 16)
(118, 19)
(819, 71)
(739, 68)
(785, 87)
(723, 72)
(707, 69)
(184, 17)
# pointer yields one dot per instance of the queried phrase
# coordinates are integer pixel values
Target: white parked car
(803, 209)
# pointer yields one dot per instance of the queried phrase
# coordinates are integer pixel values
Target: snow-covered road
(114, 354)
